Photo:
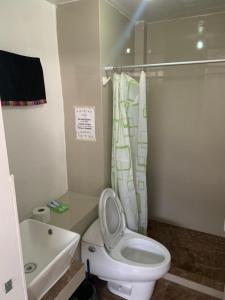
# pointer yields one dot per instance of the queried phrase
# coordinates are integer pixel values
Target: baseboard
(195, 286)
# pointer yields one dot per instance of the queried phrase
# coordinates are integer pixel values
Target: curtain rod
(178, 63)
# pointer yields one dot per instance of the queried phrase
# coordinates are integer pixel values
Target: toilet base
(132, 290)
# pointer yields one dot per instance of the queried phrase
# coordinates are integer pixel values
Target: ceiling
(158, 10)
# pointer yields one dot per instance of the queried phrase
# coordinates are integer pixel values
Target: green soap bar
(60, 209)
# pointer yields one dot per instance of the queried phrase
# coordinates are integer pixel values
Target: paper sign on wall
(85, 123)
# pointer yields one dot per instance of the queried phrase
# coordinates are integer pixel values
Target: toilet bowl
(129, 262)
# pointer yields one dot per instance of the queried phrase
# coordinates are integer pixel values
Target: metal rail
(178, 63)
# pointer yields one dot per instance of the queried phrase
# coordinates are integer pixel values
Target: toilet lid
(111, 217)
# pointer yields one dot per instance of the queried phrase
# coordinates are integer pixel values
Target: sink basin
(47, 254)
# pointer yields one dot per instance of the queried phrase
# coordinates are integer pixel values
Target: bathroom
(75, 40)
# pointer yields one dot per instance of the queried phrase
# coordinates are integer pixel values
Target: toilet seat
(111, 218)
(122, 244)
(137, 250)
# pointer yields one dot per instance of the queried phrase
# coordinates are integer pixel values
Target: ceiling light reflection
(200, 44)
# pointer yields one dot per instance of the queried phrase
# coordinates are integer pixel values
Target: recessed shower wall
(186, 108)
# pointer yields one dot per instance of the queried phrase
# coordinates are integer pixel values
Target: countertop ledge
(80, 206)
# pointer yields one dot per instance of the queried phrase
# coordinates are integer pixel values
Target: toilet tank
(93, 235)
(92, 249)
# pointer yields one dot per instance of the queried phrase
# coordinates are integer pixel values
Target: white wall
(11, 255)
(35, 135)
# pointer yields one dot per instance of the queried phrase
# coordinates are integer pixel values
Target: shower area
(186, 137)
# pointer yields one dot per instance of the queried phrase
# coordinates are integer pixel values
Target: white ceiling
(157, 10)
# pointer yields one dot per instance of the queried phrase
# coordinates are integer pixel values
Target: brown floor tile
(160, 290)
(197, 278)
(164, 290)
(195, 252)
(177, 292)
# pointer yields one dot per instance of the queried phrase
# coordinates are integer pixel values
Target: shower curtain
(129, 148)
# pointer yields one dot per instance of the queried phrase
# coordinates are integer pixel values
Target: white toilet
(129, 262)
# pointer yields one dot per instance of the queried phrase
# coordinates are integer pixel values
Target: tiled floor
(164, 290)
(194, 252)
(198, 278)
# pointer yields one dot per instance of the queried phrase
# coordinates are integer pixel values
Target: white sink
(48, 250)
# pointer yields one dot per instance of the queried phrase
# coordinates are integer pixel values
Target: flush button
(91, 249)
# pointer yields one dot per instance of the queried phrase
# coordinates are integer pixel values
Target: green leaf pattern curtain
(129, 148)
